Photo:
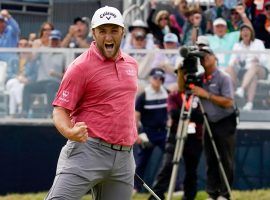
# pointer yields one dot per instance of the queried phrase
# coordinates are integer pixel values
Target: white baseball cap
(219, 21)
(107, 15)
(202, 40)
(170, 37)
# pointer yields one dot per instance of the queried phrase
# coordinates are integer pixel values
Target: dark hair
(251, 30)
(42, 28)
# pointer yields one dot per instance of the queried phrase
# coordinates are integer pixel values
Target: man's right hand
(79, 132)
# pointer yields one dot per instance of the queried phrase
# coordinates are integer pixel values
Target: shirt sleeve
(227, 87)
(71, 88)
(140, 101)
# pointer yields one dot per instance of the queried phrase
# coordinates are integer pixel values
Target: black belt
(116, 147)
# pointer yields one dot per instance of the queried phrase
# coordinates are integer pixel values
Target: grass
(238, 195)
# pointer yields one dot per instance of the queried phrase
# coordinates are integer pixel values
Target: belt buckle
(116, 147)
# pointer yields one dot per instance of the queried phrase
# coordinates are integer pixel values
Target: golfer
(95, 110)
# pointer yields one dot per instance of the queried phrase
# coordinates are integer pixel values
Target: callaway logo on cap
(107, 15)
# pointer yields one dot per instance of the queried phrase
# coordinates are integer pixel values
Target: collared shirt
(219, 84)
(152, 106)
(224, 43)
(101, 92)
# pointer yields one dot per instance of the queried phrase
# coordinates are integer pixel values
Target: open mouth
(109, 46)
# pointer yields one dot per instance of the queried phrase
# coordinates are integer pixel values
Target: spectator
(139, 38)
(50, 72)
(237, 18)
(78, 34)
(220, 10)
(151, 117)
(21, 70)
(178, 18)
(193, 27)
(168, 61)
(217, 98)
(9, 33)
(249, 67)
(31, 38)
(250, 8)
(262, 25)
(44, 33)
(192, 143)
(138, 26)
(222, 41)
(161, 25)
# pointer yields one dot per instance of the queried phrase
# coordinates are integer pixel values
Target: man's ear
(93, 34)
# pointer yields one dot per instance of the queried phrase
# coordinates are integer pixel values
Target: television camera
(190, 65)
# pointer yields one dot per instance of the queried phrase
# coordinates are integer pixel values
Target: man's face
(138, 38)
(108, 39)
(208, 60)
(156, 81)
(220, 30)
(23, 43)
(235, 17)
(54, 43)
(82, 29)
(170, 45)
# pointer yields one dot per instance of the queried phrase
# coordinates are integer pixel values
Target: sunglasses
(163, 18)
(139, 38)
(46, 29)
(157, 78)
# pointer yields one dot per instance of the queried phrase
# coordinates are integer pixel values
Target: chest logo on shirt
(65, 96)
(131, 72)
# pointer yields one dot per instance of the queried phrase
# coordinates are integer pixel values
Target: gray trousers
(91, 166)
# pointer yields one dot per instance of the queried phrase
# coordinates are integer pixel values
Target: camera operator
(217, 99)
(192, 147)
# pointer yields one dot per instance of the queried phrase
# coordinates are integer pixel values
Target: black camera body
(190, 65)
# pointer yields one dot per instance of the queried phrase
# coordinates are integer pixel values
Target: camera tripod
(181, 136)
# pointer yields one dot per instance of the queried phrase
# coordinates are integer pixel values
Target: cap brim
(96, 25)
(54, 38)
(131, 28)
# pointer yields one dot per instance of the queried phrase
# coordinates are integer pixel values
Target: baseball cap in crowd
(107, 15)
(138, 23)
(84, 20)
(55, 34)
(157, 72)
(202, 40)
(219, 21)
(170, 37)
(139, 34)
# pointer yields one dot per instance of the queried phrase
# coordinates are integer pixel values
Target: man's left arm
(224, 99)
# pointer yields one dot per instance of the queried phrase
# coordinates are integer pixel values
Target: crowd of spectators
(224, 26)
(228, 26)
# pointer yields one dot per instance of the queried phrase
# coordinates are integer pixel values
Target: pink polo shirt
(101, 93)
